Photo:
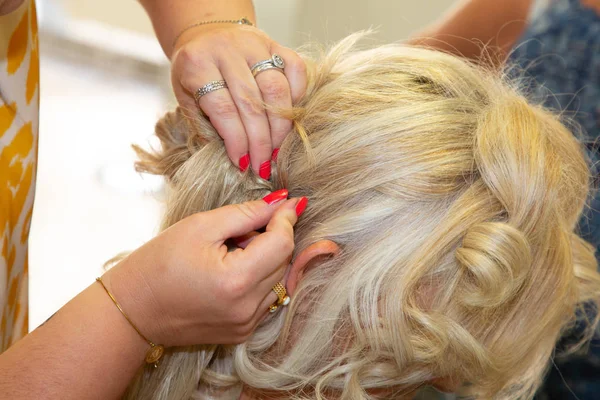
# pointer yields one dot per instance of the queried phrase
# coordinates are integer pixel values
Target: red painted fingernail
(275, 154)
(244, 162)
(276, 196)
(301, 206)
(265, 170)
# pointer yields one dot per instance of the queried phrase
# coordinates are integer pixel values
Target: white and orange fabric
(19, 115)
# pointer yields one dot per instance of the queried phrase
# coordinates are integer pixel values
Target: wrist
(119, 326)
(170, 18)
(136, 298)
(211, 26)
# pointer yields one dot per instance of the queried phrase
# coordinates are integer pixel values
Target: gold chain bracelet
(241, 21)
(156, 351)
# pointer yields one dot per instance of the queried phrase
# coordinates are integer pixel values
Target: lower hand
(184, 287)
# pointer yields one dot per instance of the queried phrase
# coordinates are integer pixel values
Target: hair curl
(454, 202)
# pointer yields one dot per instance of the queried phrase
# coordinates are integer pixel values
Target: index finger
(269, 250)
(195, 71)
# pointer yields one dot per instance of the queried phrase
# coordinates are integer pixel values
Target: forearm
(478, 27)
(170, 17)
(87, 350)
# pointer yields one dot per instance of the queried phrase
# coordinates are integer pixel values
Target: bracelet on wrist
(241, 21)
(156, 351)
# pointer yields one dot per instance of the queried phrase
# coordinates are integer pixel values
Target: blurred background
(104, 84)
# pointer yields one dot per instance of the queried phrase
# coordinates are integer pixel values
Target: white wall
(127, 14)
(291, 21)
(329, 20)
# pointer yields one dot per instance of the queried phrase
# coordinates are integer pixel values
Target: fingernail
(301, 206)
(265, 170)
(275, 154)
(276, 196)
(244, 162)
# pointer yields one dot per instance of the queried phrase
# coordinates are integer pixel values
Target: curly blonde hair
(454, 202)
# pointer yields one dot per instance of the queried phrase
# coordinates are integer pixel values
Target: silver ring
(209, 87)
(274, 62)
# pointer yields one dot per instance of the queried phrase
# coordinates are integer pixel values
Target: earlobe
(322, 248)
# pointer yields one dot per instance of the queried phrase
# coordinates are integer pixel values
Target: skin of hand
(226, 51)
(184, 287)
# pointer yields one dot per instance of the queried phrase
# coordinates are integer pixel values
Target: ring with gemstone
(275, 62)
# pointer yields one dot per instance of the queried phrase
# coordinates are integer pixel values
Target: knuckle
(287, 245)
(236, 286)
(191, 56)
(249, 102)
(247, 211)
(275, 89)
(221, 107)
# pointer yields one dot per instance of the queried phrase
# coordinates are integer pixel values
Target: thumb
(273, 248)
(239, 219)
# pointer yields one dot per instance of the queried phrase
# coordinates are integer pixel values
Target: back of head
(454, 203)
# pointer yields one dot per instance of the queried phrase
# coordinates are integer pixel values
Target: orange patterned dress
(19, 115)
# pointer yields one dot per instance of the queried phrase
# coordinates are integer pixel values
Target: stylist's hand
(227, 52)
(184, 287)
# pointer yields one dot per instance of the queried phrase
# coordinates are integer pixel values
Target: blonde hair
(454, 203)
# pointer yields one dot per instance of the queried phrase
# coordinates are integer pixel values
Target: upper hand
(227, 52)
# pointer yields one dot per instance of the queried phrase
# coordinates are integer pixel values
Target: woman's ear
(306, 259)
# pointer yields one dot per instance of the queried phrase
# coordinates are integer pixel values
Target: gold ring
(282, 298)
(281, 293)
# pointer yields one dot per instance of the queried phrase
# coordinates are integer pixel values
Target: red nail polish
(244, 162)
(301, 206)
(276, 196)
(265, 170)
(275, 154)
